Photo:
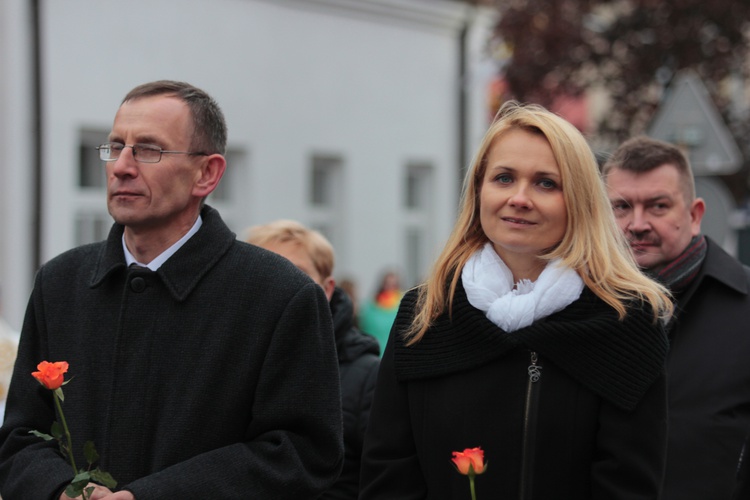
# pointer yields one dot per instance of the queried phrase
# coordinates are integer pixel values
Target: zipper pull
(535, 372)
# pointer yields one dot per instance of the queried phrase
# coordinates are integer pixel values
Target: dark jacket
(359, 358)
(593, 426)
(213, 377)
(709, 381)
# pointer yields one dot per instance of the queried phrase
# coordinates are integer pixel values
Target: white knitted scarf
(489, 287)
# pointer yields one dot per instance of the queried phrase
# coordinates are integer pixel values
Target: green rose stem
(67, 433)
(471, 482)
(68, 438)
(50, 375)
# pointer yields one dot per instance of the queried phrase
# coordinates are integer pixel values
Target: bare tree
(631, 49)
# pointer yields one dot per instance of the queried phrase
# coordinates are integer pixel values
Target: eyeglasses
(142, 153)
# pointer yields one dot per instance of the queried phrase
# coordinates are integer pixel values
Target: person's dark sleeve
(390, 466)
(631, 448)
(30, 468)
(368, 392)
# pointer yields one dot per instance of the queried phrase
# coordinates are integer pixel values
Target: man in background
(359, 354)
(652, 190)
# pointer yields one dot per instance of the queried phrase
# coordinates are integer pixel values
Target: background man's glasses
(142, 153)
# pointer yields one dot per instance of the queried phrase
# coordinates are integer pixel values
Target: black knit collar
(619, 360)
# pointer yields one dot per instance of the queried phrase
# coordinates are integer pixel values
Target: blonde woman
(358, 354)
(535, 337)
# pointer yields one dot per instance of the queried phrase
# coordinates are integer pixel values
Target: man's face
(652, 211)
(154, 196)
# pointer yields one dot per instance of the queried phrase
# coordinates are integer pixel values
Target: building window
(91, 222)
(418, 221)
(417, 192)
(326, 210)
(228, 197)
(326, 171)
(224, 192)
(91, 171)
(91, 227)
(415, 257)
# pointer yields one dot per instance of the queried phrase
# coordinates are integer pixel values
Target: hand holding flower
(52, 377)
(120, 495)
(95, 492)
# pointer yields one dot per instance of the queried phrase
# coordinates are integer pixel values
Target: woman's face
(521, 205)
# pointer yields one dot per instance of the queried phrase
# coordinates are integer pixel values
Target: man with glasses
(201, 366)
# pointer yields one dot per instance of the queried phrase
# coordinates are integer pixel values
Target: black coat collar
(182, 272)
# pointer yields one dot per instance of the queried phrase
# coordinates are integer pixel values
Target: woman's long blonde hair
(593, 245)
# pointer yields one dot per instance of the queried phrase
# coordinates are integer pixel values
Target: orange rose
(50, 375)
(470, 461)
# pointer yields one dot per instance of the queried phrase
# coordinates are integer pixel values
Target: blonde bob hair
(314, 244)
(592, 245)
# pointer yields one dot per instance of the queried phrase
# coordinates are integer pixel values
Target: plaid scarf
(678, 274)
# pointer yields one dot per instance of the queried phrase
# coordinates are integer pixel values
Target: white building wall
(16, 142)
(374, 82)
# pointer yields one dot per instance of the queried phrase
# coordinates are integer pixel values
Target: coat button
(138, 284)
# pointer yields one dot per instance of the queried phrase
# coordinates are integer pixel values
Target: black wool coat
(213, 377)
(709, 381)
(593, 426)
(359, 359)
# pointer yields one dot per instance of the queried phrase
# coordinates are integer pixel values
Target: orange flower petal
(51, 375)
